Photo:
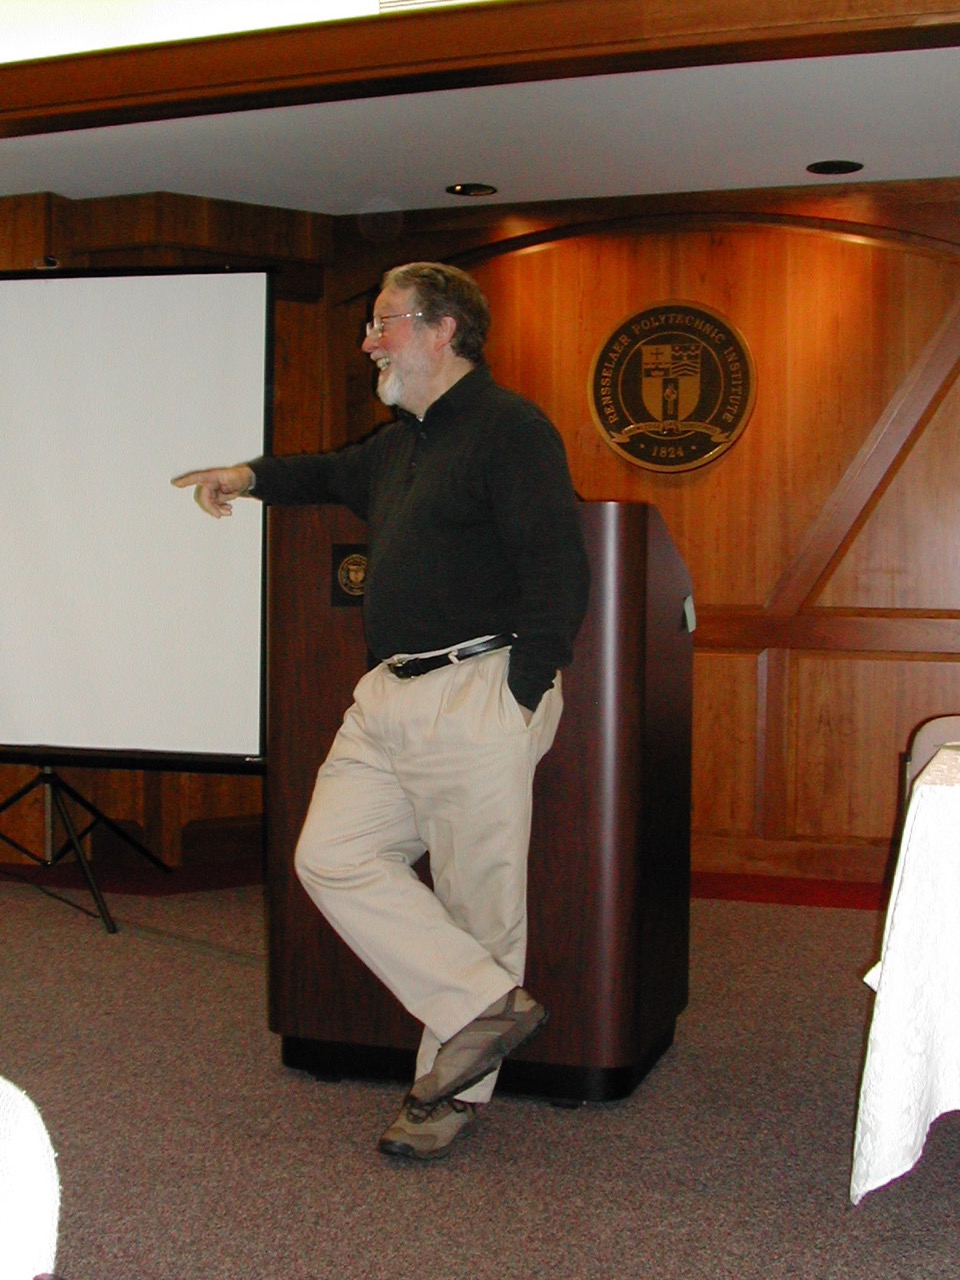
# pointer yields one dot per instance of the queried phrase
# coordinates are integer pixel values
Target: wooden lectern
(609, 877)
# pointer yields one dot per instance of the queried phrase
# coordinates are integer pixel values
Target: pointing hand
(217, 487)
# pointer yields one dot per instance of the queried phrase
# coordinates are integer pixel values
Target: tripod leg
(99, 816)
(65, 818)
(57, 855)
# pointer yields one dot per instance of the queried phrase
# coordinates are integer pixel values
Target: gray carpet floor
(187, 1150)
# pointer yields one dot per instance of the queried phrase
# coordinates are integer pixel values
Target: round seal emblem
(672, 387)
(351, 574)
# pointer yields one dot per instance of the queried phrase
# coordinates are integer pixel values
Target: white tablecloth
(911, 1072)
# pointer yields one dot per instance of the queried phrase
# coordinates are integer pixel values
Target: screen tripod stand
(56, 788)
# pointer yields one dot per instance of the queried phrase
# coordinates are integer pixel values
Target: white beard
(390, 385)
(405, 380)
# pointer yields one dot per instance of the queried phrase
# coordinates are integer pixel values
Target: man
(476, 586)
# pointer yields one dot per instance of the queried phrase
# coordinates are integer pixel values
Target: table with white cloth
(911, 1072)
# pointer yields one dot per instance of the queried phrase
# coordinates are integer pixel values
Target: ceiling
(746, 125)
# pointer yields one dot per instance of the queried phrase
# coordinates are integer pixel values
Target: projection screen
(130, 622)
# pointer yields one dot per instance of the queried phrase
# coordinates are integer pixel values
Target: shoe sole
(407, 1151)
(459, 1085)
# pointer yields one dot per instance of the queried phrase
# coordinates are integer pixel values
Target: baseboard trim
(864, 862)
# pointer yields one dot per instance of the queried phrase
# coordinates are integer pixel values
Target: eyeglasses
(375, 326)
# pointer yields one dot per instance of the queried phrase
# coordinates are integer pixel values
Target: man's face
(402, 351)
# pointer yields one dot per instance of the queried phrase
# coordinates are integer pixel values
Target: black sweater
(473, 528)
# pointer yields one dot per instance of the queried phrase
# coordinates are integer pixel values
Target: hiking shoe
(427, 1133)
(480, 1046)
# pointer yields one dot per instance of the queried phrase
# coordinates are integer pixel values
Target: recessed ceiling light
(471, 189)
(834, 167)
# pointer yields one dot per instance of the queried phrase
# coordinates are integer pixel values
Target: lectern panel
(609, 856)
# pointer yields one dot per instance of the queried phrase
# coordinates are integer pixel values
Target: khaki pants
(442, 762)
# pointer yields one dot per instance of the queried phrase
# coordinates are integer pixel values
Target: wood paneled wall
(796, 756)
(823, 546)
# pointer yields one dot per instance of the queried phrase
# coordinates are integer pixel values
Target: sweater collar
(456, 399)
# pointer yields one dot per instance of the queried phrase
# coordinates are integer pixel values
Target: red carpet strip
(789, 890)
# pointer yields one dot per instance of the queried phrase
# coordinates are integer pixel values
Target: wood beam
(911, 407)
(927, 636)
(527, 40)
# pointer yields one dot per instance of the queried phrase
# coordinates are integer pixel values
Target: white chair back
(925, 741)
(29, 1189)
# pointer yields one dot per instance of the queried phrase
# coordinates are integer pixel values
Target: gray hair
(442, 290)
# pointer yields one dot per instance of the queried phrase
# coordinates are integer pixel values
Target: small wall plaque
(348, 574)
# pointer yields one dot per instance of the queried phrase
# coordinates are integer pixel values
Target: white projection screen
(130, 621)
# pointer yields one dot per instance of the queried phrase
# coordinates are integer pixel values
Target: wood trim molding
(528, 40)
(863, 862)
(916, 214)
(865, 479)
(681, 218)
(720, 629)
